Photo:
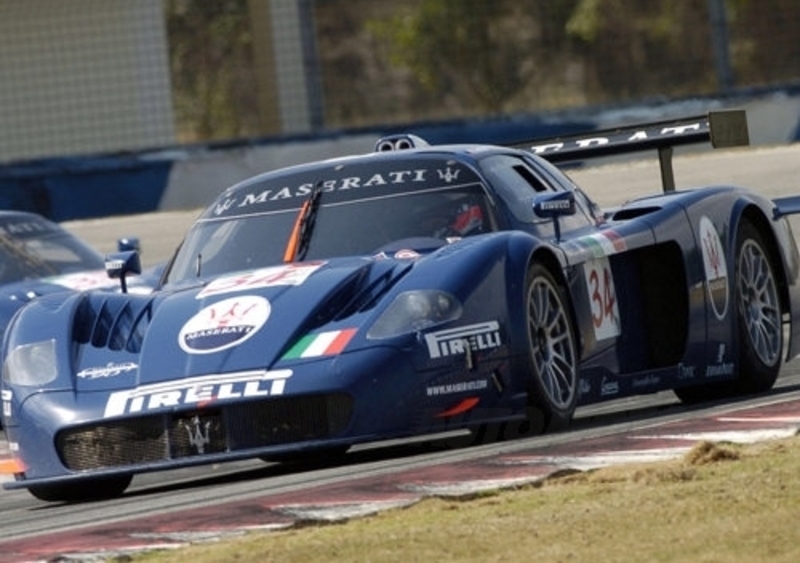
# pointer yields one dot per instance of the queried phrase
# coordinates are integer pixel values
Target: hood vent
(358, 294)
(364, 294)
(113, 321)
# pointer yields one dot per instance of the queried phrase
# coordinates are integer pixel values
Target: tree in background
(765, 48)
(511, 55)
(362, 87)
(212, 69)
(635, 49)
(479, 58)
(386, 62)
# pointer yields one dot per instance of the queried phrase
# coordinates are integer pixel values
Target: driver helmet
(468, 219)
(464, 219)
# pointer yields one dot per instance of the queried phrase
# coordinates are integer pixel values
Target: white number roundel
(602, 298)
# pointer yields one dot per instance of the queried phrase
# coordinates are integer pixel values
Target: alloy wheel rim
(551, 342)
(758, 300)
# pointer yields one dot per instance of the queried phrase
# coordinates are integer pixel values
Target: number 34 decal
(603, 298)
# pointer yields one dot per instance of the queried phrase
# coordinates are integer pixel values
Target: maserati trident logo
(223, 206)
(448, 175)
(199, 433)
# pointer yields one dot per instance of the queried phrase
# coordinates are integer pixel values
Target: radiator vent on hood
(113, 321)
(363, 295)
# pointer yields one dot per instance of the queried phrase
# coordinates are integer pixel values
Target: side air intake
(399, 143)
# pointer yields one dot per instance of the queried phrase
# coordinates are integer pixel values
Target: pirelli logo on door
(451, 342)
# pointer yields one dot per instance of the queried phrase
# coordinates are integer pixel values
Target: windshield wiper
(297, 247)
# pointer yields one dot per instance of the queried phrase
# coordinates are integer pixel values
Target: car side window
(516, 182)
(585, 205)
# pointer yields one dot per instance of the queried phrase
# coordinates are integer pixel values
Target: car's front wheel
(552, 351)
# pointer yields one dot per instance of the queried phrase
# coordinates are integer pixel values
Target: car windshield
(32, 248)
(346, 221)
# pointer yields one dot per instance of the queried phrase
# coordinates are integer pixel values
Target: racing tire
(83, 491)
(552, 353)
(758, 323)
(758, 313)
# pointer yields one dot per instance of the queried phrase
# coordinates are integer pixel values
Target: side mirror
(120, 264)
(554, 206)
(128, 243)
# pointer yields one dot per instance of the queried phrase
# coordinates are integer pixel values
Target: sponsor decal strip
(109, 370)
(460, 387)
(322, 344)
(197, 390)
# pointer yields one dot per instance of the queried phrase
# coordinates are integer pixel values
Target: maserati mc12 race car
(411, 290)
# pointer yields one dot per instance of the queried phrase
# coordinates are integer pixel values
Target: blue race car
(412, 290)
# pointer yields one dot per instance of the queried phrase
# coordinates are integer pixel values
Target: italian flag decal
(322, 344)
(604, 244)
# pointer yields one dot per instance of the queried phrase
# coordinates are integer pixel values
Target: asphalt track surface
(193, 503)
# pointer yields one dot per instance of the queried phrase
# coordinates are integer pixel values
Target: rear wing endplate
(723, 128)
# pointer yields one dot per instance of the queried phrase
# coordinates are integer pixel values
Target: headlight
(415, 310)
(31, 364)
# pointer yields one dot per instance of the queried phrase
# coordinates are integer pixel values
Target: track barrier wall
(190, 177)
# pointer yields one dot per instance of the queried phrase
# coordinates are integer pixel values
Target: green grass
(722, 502)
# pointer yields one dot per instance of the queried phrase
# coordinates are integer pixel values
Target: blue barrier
(63, 189)
(502, 131)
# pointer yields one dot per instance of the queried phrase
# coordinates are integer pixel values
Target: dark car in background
(39, 257)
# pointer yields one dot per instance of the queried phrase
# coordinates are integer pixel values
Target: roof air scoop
(399, 143)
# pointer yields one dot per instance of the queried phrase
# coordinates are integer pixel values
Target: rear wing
(789, 205)
(724, 128)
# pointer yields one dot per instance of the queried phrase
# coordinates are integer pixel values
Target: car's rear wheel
(552, 352)
(758, 322)
(81, 491)
(758, 313)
